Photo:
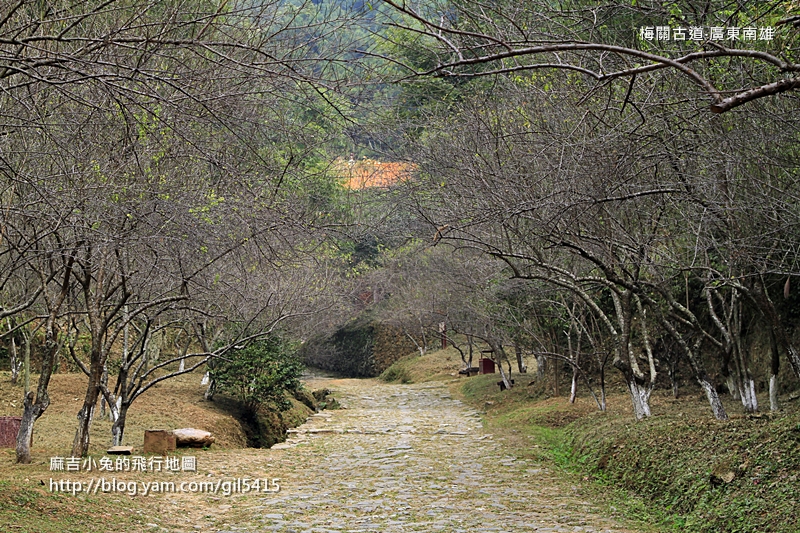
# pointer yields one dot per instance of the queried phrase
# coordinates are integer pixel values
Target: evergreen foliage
(260, 374)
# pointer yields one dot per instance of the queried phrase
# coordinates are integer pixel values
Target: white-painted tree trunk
(713, 400)
(640, 396)
(749, 400)
(773, 393)
(733, 388)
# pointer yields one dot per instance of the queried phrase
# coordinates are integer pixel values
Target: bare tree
(568, 200)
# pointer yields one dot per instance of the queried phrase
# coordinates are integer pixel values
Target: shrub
(260, 374)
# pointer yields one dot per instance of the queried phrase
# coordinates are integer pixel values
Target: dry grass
(26, 502)
(668, 461)
(172, 404)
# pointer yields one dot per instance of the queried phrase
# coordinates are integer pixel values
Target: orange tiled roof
(371, 173)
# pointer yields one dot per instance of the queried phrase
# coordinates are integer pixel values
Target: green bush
(260, 374)
(396, 372)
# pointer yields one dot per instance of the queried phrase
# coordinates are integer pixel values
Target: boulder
(192, 438)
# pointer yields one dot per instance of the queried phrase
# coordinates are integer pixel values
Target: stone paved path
(398, 458)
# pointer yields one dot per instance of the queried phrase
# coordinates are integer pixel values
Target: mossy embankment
(679, 470)
(701, 474)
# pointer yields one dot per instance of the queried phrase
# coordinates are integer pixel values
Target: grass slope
(414, 368)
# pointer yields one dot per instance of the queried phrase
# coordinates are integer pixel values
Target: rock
(192, 438)
(306, 398)
(320, 394)
(723, 473)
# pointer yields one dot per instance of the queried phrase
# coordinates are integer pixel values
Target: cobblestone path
(398, 458)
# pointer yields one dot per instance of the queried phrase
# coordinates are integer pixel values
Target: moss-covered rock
(363, 347)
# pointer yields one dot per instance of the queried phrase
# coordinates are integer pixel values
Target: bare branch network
(474, 39)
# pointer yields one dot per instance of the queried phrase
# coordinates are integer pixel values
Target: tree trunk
(733, 388)
(749, 400)
(730, 380)
(503, 376)
(640, 396)
(774, 390)
(80, 445)
(541, 366)
(639, 386)
(34, 408)
(26, 363)
(603, 405)
(576, 359)
(573, 391)
(698, 369)
(104, 384)
(500, 354)
(672, 372)
(211, 390)
(748, 391)
(520, 365)
(118, 428)
(419, 346)
(794, 357)
(14, 360)
(711, 392)
(30, 412)
(773, 378)
(713, 399)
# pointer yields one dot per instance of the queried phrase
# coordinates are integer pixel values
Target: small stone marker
(120, 450)
(159, 441)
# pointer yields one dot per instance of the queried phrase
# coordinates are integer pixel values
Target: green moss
(398, 372)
